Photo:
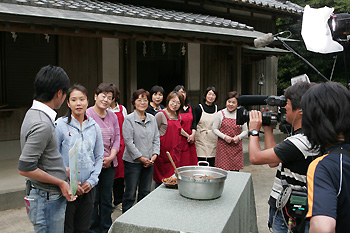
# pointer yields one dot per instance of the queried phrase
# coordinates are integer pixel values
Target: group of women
(123, 153)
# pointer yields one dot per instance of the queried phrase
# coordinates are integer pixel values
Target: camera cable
(281, 202)
(302, 58)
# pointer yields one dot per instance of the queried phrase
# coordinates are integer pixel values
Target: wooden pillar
(271, 75)
(110, 61)
(236, 71)
(193, 73)
(131, 71)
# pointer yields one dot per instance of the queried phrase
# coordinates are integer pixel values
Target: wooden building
(135, 44)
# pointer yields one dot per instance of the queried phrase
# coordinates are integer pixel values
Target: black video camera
(268, 118)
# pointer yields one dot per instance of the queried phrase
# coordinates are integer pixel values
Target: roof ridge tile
(136, 11)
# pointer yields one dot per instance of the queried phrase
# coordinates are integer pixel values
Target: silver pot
(201, 182)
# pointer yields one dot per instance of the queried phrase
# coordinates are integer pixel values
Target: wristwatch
(253, 132)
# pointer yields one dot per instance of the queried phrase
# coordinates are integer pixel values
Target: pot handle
(199, 177)
(204, 162)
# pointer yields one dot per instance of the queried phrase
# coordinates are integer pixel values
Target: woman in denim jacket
(80, 135)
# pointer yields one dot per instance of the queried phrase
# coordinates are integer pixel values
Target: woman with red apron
(169, 126)
(188, 132)
(118, 184)
(229, 150)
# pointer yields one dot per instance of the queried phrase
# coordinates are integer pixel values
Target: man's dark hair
(295, 93)
(105, 87)
(48, 81)
(210, 89)
(326, 114)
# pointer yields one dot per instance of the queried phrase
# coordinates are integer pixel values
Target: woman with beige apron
(206, 140)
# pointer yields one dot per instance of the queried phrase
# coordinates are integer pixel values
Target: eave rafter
(111, 33)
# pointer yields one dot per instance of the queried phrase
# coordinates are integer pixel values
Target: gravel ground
(16, 221)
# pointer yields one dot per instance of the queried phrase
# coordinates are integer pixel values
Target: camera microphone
(264, 40)
(245, 100)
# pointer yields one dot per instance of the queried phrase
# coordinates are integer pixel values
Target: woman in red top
(168, 121)
(188, 124)
(118, 185)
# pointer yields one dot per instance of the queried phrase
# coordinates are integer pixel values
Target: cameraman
(292, 157)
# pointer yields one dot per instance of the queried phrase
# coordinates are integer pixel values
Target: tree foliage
(340, 6)
(328, 64)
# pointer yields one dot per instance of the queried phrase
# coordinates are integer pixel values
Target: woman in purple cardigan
(101, 219)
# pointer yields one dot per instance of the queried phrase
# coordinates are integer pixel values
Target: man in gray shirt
(40, 161)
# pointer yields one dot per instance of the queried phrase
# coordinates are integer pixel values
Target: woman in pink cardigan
(101, 219)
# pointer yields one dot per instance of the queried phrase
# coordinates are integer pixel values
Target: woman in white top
(115, 106)
(229, 150)
(118, 184)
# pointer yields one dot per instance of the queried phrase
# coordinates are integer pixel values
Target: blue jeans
(46, 211)
(101, 219)
(136, 175)
(278, 224)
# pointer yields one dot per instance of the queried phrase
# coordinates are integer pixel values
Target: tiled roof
(127, 10)
(276, 4)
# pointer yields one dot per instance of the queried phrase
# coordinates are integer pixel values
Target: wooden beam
(139, 36)
(58, 30)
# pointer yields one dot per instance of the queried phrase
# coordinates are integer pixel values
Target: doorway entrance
(160, 64)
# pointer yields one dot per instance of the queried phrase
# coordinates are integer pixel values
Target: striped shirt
(295, 156)
(110, 131)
